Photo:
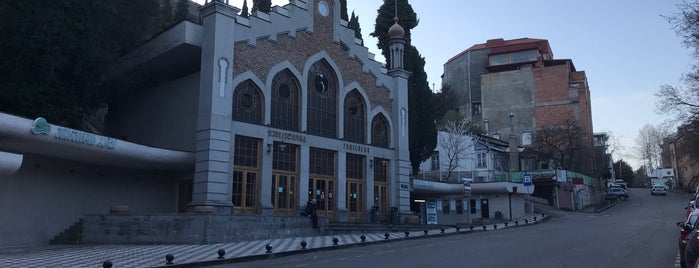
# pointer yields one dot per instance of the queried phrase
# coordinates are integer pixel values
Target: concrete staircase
(70, 236)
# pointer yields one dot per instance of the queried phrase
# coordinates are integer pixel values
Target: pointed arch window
(285, 101)
(322, 100)
(247, 103)
(379, 131)
(355, 117)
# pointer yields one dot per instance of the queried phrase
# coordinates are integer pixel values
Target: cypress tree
(182, 10)
(166, 16)
(244, 12)
(423, 133)
(354, 25)
(262, 5)
(343, 9)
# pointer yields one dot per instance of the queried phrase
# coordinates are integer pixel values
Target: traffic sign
(527, 179)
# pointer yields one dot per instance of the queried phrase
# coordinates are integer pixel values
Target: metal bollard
(363, 237)
(169, 258)
(221, 253)
(386, 235)
(303, 244)
(425, 231)
(268, 248)
(407, 234)
(107, 264)
(335, 241)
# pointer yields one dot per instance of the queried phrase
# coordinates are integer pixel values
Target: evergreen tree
(343, 9)
(244, 12)
(406, 18)
(166, 16)
(423, 132)
(55, 53)
(354, 25)
(181, 10)
(421, 114)
(262, 5)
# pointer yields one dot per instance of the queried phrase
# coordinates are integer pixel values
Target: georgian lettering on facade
(78, 136)
(355, 148)
(286, 135)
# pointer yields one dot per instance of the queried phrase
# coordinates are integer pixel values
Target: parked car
(691, 249)
(658, 190)
(616, 193)
(686, 228)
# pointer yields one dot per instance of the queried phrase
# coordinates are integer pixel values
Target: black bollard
(534, 218)
(107, 264)
(484, 227)
(506, 224)
(169, 258)
(268, 248)
(335, 241)
(457, 228)
(442, 229)
(425, 232)
(303, 244)
(516, 223)
(363, 237)
(386, 235)
(221, 253)
(470, 227)
(407, 234)
(526, 221)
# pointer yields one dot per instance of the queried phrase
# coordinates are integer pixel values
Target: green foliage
(623, 170)
(407, 18)
(354, 25)
(423, 132)
(166, 15)
(343, 9)
(55, 52)
(264, 6)
(244, 12)
(446, 101)
(182, 10)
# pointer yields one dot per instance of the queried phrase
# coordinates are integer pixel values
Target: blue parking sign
(527, 179)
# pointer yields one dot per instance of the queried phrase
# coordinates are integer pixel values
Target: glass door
(323, 191)
(355, 201)
(283, 194)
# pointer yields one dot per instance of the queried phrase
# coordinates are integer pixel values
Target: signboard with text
(467, 186)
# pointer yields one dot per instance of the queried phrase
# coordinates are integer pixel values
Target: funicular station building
(249, 119)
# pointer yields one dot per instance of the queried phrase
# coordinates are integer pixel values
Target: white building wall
(47, 195)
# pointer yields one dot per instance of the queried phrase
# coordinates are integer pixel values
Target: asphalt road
(640, 232)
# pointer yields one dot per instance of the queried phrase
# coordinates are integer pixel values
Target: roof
(500, 45)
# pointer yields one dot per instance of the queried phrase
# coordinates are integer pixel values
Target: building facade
(249, 116)
(515, 88)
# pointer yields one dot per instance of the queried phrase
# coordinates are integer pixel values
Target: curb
(418, 235)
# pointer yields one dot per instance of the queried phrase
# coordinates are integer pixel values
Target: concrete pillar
(213, 169)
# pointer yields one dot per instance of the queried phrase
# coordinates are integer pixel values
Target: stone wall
(193, 228)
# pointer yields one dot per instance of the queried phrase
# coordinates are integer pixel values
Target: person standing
(311, 211)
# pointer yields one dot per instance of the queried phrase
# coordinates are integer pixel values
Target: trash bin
(375, 214)
(395, 217)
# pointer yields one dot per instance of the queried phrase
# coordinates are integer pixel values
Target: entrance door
(485, 211)
(283, 194)
(381, 200)
(323, 191)
(245, 191)
(355, 201)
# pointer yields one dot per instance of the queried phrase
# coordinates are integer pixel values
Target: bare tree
(683, 102)
(456, 139)
(563, 143)
(649, 145)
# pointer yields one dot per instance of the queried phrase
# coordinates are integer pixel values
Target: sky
(626, 48)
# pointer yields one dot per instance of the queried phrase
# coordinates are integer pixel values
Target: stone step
(70, 236)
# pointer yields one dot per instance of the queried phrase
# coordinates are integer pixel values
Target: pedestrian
(311, 211)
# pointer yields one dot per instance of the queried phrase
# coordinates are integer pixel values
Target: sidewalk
(203, 255)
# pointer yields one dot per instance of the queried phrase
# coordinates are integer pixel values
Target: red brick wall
(265, 54)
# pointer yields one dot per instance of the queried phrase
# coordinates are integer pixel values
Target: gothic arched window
(247, 103)
(322, 100)
(380, 131)
(354, 115)
(285, 101)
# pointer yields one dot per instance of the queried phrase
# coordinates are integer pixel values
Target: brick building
(516, 88)
(241, 116)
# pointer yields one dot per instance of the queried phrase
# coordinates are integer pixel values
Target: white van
(658, 190)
